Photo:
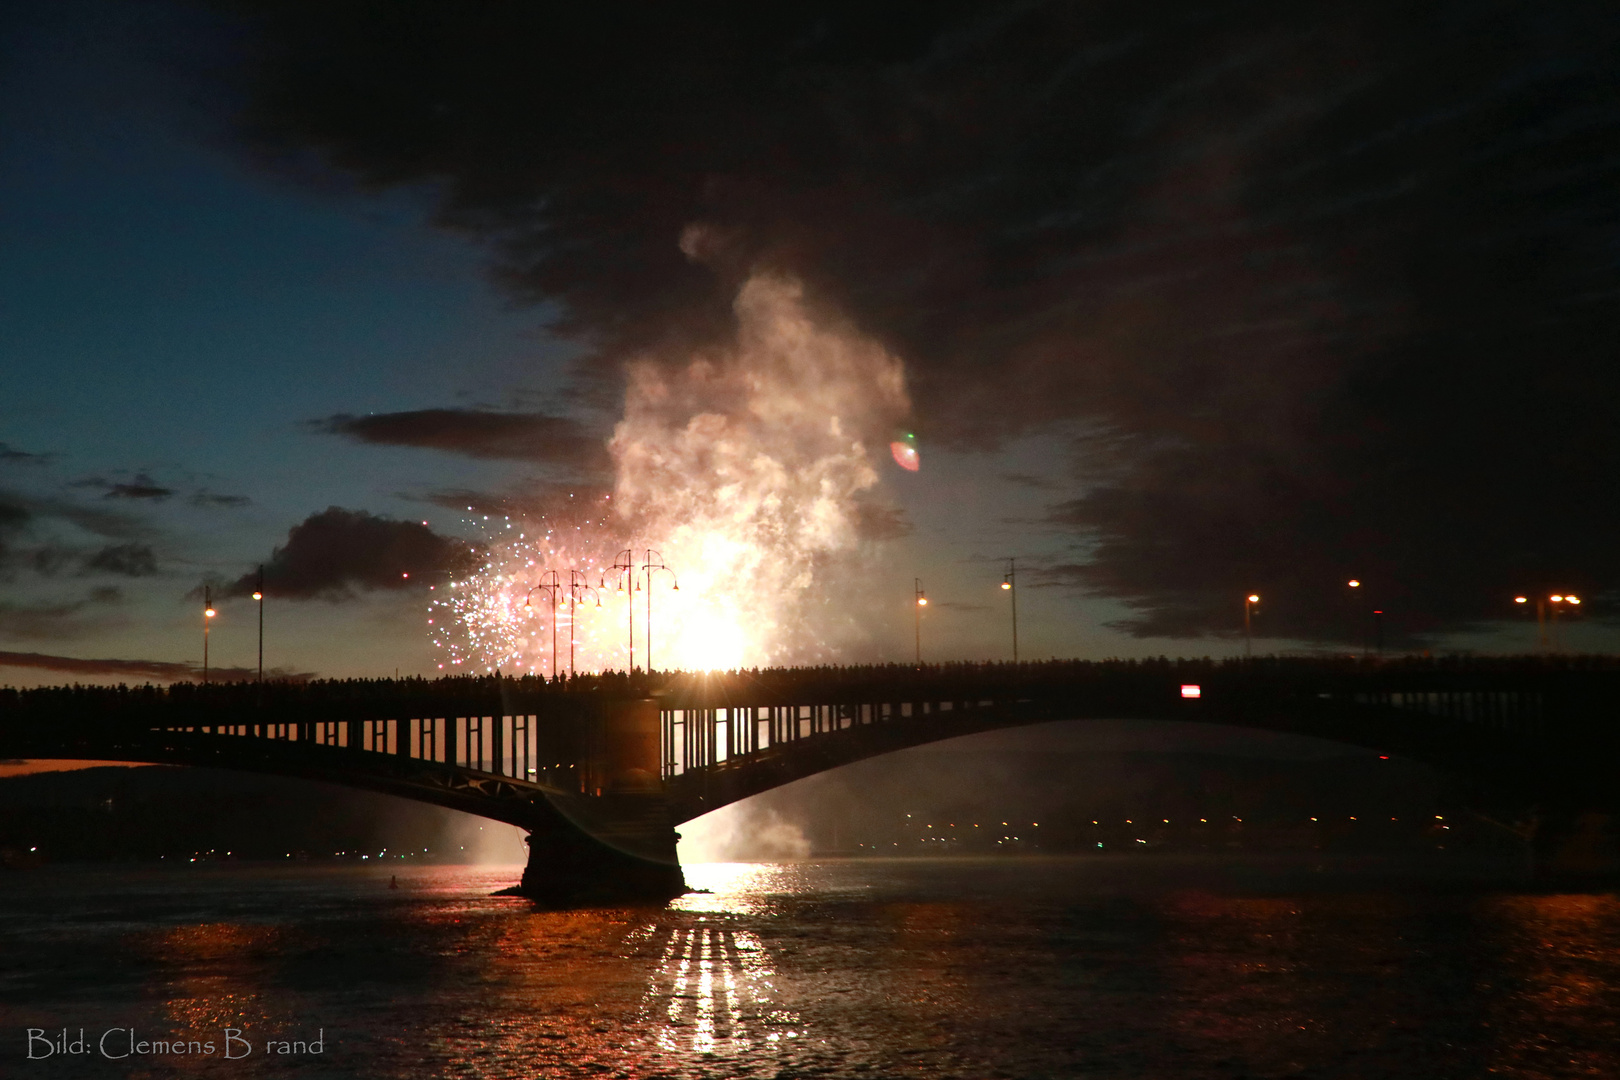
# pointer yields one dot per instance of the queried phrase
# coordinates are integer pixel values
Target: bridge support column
(611, 849)
(614, 842)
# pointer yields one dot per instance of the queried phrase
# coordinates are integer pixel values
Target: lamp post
(1009, 585)
(649, 568)
(258, 596)
(922, 602)
(1248, 616)
(1547, 638)
(1559, 602)
(1366, 646)
(550, 587)
(208, 614)
(574, 578)
(626, 561)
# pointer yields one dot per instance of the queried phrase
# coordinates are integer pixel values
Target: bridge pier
(610, 849)
(614, 842)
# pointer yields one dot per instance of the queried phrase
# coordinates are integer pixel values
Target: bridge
(600, 769)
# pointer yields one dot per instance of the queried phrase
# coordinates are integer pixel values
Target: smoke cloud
(751, 470)
(1316, 292)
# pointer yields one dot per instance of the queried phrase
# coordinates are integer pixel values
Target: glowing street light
(258, 597)
(1009, 585)
(208, 614)
(1547, 635)
(1248, 615)
(922, 602)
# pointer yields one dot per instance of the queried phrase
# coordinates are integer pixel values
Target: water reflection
(948, 969)
(712, 990)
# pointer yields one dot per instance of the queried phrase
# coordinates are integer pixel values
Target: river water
(1142, 967)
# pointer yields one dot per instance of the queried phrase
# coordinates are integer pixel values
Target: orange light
(1354, 584)
(922, 601)
(1556, 599)
(1006, 584)
(1573, 599)
(208, 613)
(1519, 600)
(258, 596)
(1253, 599)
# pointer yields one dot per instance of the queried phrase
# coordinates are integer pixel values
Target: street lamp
(258, 596)
(574, 577)
(1009, 585)
(528, 604)
(626, 561)
(1248, 631)
(1559, 602)
(208, 613)
(922, 602)
(1547, 637)
(649, 568)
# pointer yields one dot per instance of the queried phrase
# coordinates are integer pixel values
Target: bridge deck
(499, 746)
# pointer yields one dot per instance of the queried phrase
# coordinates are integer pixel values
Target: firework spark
(743, 471)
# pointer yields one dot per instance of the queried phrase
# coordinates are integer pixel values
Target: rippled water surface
(1027, 968)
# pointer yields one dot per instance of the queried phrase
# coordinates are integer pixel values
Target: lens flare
(746, 472)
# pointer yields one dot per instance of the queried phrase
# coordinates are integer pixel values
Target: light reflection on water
(931, 969)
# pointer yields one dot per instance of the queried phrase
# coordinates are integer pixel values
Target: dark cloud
(336, 553)
(18, 510)
(511, 436)
(129, 560)
(13, 517)
(59, 620)
(210, 500)
(140, 487)
(1332, 288)
(161, 670)
(12, 456)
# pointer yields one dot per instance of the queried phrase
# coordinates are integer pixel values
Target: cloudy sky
(1187, 303)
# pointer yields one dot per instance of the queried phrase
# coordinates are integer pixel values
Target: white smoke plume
(748, 472)
(740, 833)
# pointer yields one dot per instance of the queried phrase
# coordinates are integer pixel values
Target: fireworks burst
(745, 472)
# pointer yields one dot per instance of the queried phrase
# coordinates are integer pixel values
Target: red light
(1383, 757)
(1191, 690)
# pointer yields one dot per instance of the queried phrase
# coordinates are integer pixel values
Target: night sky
(1190, 302)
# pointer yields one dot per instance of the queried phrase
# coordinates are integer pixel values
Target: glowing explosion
(746, 473)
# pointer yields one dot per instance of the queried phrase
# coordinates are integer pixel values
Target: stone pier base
(612, 849)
